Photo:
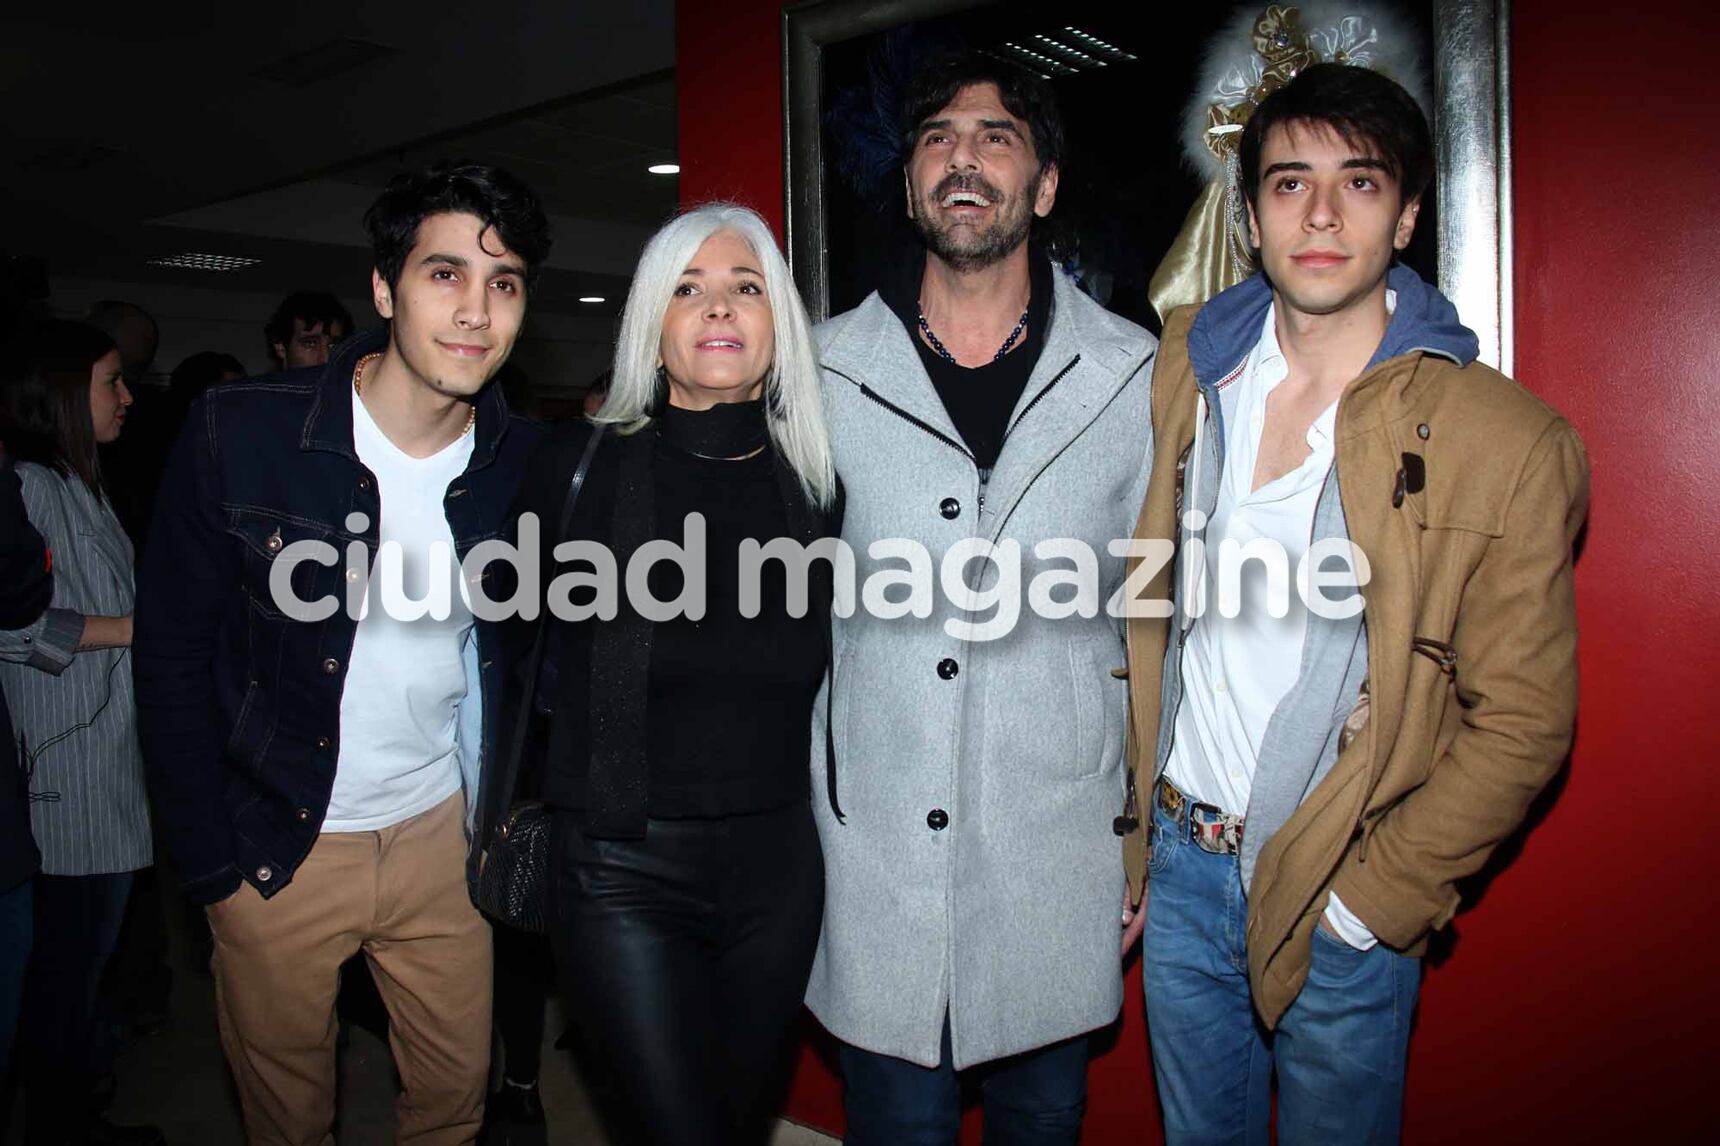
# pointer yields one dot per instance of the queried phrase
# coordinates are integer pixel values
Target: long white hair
(795, 413)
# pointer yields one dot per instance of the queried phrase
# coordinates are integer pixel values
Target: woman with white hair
(686, 879)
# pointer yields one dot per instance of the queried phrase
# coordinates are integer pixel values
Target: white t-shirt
(405, 680)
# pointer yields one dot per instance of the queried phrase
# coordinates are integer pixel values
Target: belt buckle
(1203, 825)
(1206, 832)
(1213, 834)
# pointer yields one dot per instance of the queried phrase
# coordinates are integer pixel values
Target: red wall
(1571, 1008)
(728, 83)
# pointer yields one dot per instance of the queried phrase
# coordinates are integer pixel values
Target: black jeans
(77, 922)
(684, 957)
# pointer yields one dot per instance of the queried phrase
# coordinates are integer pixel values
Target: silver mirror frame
(1472, 138)
(1472, 135)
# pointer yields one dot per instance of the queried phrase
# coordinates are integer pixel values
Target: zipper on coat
(985, 471)
(1035, 400)
(927, 427)
(868, 392)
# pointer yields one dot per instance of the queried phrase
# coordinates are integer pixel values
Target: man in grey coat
(978, 403)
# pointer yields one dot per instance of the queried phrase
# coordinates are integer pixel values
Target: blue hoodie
(1301, 740)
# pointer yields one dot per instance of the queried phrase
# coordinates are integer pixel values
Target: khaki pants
(399, 895)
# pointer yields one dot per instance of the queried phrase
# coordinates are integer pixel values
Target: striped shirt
(74, 712)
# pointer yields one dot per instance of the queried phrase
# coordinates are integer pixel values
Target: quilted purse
(513, 869)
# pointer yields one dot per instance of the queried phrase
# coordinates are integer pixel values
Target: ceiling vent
(199, 261)
(324, 61)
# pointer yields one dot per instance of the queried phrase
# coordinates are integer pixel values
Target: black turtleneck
(978, 399)
(727, 430)
(728, 698)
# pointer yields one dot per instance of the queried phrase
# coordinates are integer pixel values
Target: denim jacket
(239, 705)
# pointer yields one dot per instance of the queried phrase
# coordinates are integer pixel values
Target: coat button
(950, 508)
(947, 668)
(265, 874)
(322, 743)
(937, 819)
(330, 666)
(273, 543)
(303, 815)
(363, 483)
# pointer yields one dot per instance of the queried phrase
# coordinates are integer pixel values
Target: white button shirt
(1240, 660)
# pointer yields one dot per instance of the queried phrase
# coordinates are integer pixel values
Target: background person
(137, 461)
(305, 329)
(134, 330)
(68, 684)
(26, 587)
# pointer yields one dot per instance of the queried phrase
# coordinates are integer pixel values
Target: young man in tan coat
(1318, 766)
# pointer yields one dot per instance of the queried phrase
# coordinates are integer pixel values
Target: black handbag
(513, 868)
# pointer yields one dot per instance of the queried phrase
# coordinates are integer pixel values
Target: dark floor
(178, 1080)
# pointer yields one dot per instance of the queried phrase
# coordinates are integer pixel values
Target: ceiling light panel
(1064, 52)
(1039, 61)
(1095, 46)
(198, 261)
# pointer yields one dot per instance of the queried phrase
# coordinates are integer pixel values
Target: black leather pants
(684, 958)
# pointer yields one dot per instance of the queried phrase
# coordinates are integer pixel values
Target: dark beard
(975, 251)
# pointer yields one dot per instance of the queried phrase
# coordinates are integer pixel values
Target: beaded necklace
(943, 353)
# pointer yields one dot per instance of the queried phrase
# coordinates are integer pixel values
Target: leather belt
(1209, 827)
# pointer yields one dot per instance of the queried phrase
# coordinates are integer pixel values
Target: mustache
(959, 182)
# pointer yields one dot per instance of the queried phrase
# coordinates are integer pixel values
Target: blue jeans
(1339, 1050)
(16, 925)
(1031, 1099)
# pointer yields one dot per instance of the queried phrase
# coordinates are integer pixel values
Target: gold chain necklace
(358, 388)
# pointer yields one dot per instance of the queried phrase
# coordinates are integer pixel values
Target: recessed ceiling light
(197, 261)
(664, 169)
(592, 298)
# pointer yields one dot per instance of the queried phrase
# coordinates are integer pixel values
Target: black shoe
(514, 1117)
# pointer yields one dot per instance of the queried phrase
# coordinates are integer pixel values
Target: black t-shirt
(978, 399)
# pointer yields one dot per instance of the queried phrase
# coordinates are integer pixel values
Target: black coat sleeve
(26, 567)
(188, 564)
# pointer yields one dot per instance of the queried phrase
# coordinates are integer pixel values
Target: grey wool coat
(974, 869)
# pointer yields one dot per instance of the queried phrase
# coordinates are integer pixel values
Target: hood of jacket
(1228, 327)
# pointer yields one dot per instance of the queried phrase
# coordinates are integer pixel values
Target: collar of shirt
(1265, 368)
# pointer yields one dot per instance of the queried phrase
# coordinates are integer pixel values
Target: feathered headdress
(1253, 56)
